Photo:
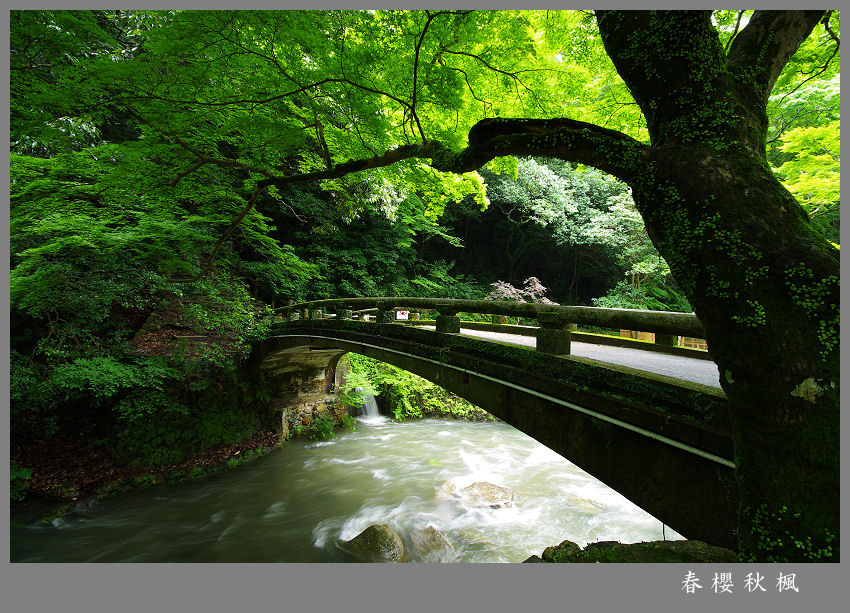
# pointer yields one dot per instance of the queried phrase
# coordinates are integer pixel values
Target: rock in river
(654, 551)
(377, 543)
(429, 545)
(483, 494)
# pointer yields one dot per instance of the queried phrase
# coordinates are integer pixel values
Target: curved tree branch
(763, 47)
(566, 139)
(416, 150)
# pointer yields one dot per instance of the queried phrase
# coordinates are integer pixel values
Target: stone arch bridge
(664, 443)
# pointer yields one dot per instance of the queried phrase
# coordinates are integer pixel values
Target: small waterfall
(370, 407)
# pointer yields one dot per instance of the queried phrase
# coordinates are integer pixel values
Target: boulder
(447, 490)
(429, 545)
(377, 543)
(591, 507)
(483, 494)
(565, 549)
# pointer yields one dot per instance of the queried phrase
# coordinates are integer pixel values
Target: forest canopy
(198, 107)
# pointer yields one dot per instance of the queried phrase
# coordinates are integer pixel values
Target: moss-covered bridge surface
(662, 443)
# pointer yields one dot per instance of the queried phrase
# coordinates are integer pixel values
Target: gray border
(316, 587)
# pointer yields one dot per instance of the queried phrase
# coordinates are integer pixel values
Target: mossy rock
(377, 543)
(566, 548)
(654, 551)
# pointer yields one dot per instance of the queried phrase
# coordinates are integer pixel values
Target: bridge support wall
(301, 382)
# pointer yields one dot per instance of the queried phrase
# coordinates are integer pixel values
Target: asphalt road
(688, 369)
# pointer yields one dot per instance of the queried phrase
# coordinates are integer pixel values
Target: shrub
(323, 427)
(18, 478)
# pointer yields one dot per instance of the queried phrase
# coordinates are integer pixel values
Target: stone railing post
(415, 315)
(668, 340)
(553, 335)
(317, 313)
(447, 319)
(346, 314)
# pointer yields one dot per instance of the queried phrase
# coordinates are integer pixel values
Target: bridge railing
(556, 322)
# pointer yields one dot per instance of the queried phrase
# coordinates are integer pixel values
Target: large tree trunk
(765, 286)
(764, 283)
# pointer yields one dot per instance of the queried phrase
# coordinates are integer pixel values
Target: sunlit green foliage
(648, 283)
(813, 172)
(408, 396)
(91, 260)
(804, 137)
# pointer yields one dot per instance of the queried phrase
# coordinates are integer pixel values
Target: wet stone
(377, 543)
(484, 494)
(429, 545)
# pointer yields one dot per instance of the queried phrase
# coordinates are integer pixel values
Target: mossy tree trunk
(764, 283)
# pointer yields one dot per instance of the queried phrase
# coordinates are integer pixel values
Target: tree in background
(545, 203)
(648, 283)
(531, 291)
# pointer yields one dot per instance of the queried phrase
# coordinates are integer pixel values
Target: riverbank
(67, 469)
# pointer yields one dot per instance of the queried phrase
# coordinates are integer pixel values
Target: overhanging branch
(763, 47)
(566, 139)
(415, 150)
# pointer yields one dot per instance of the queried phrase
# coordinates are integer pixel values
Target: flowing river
(295, 504)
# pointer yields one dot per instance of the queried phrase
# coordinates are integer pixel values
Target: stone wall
(306, 412)
(301, 386)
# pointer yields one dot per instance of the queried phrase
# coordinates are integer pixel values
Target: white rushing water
(369, 408)
(298, 503)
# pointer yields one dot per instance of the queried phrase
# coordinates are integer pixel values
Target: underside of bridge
(661, 443)
(301, 382)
